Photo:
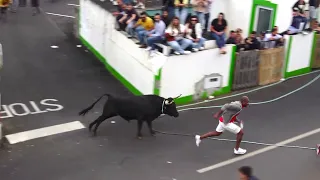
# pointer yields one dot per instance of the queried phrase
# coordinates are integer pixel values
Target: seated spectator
(294, 28)
(316, 27)
(157, 34)
(175, 37)
(130, 19)
(239, 38)
(194, 33)
(232, 38)
(181, 10)
(165, 17)
(252, 43)
(301, 6)
(261, 38)
(200, 7)
(218, 28)
(143, 27)
(274, 39)
(119, 14)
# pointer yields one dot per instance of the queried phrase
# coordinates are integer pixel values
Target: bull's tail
(84, 112)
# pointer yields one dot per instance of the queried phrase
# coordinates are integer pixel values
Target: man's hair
(143, 13)
(232, 31)
(246, 170)
(157, 14)
(274, 30)
(253, 32)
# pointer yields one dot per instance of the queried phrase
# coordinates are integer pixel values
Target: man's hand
(196, 40)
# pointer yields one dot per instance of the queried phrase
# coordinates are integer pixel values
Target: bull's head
(170, 107)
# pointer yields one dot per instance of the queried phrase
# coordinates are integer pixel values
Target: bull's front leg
(152, 132)
(139, 135)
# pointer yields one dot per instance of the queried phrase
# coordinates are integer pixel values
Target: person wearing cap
(245, 173)
(227, 121)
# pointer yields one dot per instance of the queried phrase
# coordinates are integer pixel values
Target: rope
(230, 140)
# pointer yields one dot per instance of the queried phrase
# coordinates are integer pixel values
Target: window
(263, 19)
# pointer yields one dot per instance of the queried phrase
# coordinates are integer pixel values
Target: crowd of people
(184, 33)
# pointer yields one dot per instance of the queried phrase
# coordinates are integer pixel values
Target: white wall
(301, 52)
(180, 73)
(96, 27)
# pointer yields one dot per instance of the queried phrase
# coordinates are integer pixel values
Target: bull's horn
(177, 96)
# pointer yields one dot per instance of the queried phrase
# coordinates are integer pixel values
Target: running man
(227, 119)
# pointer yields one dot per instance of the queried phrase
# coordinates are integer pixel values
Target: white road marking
(43, 132)
(54, 14)
(73, 5)
(47, 105)
(254, 153)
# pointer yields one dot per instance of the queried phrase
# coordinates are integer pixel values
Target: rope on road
(231, 140)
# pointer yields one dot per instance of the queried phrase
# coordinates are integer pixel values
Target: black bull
(144, 108)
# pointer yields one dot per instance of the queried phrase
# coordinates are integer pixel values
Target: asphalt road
(33, 71)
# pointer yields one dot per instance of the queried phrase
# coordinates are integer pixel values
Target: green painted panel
(263, 3)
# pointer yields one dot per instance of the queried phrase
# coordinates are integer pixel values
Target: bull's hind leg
(95, 122)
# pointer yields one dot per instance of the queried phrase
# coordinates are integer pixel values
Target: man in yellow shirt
(143, 26)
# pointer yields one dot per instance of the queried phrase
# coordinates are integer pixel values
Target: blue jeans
(171, 12)
(180, 45)
(202, 21)
(152, 40)
(220, 39)
(130, 29)
(198, 44)
(182, 15)
(141, 32)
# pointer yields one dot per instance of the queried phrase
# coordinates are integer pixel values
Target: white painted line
(43, 132)
(254, 153)
(73, 5)
(60, 15)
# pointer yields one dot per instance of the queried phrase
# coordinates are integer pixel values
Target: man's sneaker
(186, 52)
(148, 48)
(176, 53)
(198, 140)
(318, 149)
(240, 151)
(201, 48)
(195, 49)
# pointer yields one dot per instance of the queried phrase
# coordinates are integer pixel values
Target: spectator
(169, 6)
(14, 6)
(316, 27)
(301, 6)
(275, 37)
(218, 28)
(4, 5)
(200, 7)
(157, 34)
(140, 4)
(232, 38)
(143, 27)
(165, 17)
(194, 33)
(313, 7)
(181, 10)
(239, 38)
(129, 19)
(207, 15)
(294, 28)
(252, 43)
(119, 14)
(261, 37)
(245, 173)
(175, 37)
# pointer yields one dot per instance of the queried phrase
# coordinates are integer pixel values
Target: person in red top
(227, 121)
